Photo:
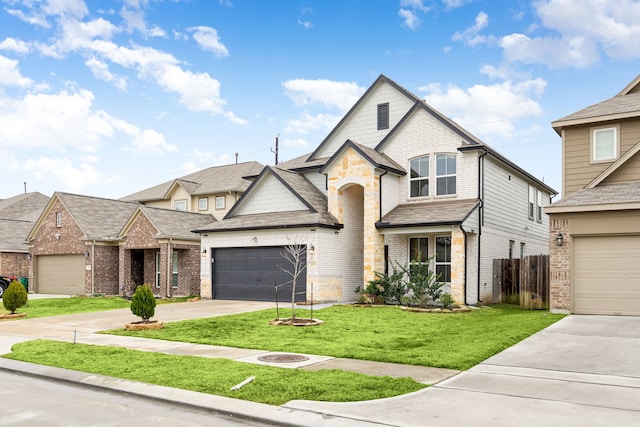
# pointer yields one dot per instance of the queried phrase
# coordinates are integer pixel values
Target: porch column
(457, 265)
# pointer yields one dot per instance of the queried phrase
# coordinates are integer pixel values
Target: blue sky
(106, 98)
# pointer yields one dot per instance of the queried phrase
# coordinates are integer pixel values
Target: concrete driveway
(583, 370)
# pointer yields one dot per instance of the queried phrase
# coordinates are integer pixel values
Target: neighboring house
(84, 245)
(395, 180)
(595, 228)
(17, 216)
(210, 191)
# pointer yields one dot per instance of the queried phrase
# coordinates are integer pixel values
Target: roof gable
(169, 223)
(376, 159)
(364, 111)
(615, 166)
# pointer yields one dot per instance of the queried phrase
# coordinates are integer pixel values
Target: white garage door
(61, 274)
(606, 275)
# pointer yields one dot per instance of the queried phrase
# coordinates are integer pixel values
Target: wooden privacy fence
(522, 281)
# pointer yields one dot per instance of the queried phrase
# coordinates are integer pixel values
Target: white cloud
(489, 111)
(74, 8)
(305, 24)
(311, 123)
(470, 35)
(414, 4)
(208, 39)
(73, 178)
(149, 142)
(10, 75)
(14, 45)
(37, 19)
(331, 94)
(584, 29)
(295, 142)
(409, 19)
(454, 4)
(101, 71)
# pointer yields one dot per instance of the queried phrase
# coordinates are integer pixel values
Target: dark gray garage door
(250, 273)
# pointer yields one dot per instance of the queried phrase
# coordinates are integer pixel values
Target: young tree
(294, 253)
(143, 303)
(14, 297)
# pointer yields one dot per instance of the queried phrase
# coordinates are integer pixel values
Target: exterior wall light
(559, 239)
(86, 254)
(204, 251)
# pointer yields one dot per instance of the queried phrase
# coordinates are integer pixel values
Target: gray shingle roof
(603, 194)
(17, 216)
(100, 219)
(301, 163)
(317, 215)
(619, 104)
(27, 206)
(429, 213)
(176, 224)
(217, 179)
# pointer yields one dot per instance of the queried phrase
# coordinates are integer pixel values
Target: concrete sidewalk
(580, 371)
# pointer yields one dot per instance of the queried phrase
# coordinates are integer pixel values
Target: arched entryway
(353, 238)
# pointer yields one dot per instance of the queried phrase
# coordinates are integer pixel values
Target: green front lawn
(385, 334)
(44, 307)
(273, 386)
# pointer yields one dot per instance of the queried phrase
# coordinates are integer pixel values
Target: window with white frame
(532, 202)
(383, 116)
(203, 203)
(220, 202)
(180, 205)
(445, 174)
(158, 269)
(604, 144)
(174, 269)
(443, 258)
(539, 206)
(419, 178)
(59, 219)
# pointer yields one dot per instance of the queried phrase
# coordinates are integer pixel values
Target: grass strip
(272, 385)
(384, 334)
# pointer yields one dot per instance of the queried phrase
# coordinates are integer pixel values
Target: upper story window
(220, 202)
(539, 206)
(180, 205)
(532, 202)
(604, 143)
(445, 174)
(383, 116)
(59, 219)
(419, 178)
(203, 203)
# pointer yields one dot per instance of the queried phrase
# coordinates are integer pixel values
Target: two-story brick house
(595, 228)
(395, 180)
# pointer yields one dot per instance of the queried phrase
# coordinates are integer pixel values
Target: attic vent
(383, 116)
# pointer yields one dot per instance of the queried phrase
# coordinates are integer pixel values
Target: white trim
(615, 166)
(418, 230)
(616, 143)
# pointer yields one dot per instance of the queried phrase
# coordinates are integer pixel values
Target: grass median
(272, 385)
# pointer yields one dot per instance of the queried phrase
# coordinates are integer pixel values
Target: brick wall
(560, 266)
(105, 270)
(14, 264)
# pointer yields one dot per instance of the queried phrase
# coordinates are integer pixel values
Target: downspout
(480, 211)
(93, 270)
(466, 261)
(380, 196)
(169, 269)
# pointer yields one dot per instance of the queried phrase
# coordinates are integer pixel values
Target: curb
(219, 405)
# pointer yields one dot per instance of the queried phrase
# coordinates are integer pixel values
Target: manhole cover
(282, 358)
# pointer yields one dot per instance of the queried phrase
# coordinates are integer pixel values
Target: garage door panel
(250, 274)
(606, 275)
(61, 274)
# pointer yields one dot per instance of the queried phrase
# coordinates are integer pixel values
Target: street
(31, 401)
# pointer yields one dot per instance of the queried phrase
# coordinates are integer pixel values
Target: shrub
(14, 297)
(390, 288)
(422, 283)
(446, 300)
(143, 302)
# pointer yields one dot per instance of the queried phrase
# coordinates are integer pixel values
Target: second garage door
(250, 273)
(606, 275)
(61, 274)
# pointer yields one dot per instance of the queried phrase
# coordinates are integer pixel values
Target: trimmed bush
(143, 302)
(14, 297)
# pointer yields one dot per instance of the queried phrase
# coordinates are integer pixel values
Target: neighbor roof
(617, 196)
(217, 179)
(17, 216)
(625, 104)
